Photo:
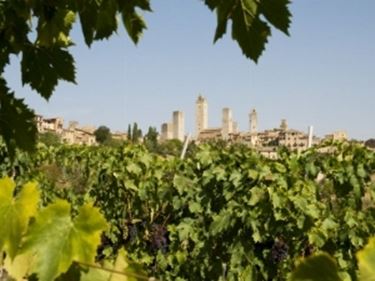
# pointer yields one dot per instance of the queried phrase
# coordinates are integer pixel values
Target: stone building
(227, 123)
(174, 129)
(210, 134)
(253, 121)
(54, 125)
(178, 125)
(201, 115)
(166, 131)
(337, 136)
(70, 135)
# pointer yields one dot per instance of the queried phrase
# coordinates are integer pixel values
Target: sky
(322, 75)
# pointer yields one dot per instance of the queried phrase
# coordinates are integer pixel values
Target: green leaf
(55, 31)
(320, 267)
(277, 13)
(17, 122)
(15, 213)
(121, 270)
(42, 68)
(252, 39)
(106, 22)
(251, 21)
(221, 222)
(19, 267)
(134, 24)
(56, 240)
(223, 13)
(366, 262)
(88, 14)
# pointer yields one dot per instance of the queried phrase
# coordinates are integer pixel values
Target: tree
(102, 134)
(136, 133)
(49, 138)
(370, 143)
(129, 132)
(170, 147)
(38, 32)
(151, 139)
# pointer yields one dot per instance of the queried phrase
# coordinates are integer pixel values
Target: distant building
(178, 125)
(166, 131)
(70, 135)
(49, 124)
(201, 115)
(337, 136)
(210, 134)
(120, 136)
(253, 121)
(174, 129)
(283, 125)
(227, 123)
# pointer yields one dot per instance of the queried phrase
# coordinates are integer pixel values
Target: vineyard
(222, 213)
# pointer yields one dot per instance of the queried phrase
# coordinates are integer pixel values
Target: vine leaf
(15, 213)
(57, 241)
(125, 271)
(42, 68)
(316, 268)
(251, 22)
(19, 268)
(366, 262)
(17, 125)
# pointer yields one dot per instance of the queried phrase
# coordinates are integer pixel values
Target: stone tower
(201, 115)
(227, 125)
(178, 125)
(253, 116)
(284, 125)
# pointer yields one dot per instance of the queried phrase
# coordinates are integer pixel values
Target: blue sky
(322, 75)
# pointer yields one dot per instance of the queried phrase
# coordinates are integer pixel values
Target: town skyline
(174, 127)
(321, 75)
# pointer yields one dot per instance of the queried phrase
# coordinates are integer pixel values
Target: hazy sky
(322, 75)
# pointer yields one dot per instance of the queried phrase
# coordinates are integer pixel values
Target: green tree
(38, 32)
(129, 132)
(49, 138)
(151, 139)
(102, 134)
(136, 133)
(170, 147)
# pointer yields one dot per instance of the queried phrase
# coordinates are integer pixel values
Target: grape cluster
(159, 238)
(279, 251)
(133, 232)
(308, 250)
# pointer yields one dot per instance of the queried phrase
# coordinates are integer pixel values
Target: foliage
(222, 210)
(170, 147)
(46, 60)
(49, 138)
(102, 134)
(47, 243)
(151, 139)
(136, 134)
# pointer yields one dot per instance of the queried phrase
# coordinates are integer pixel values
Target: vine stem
(141, 277)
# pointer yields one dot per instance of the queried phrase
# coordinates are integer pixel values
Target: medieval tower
(253, 116)
(201, 115)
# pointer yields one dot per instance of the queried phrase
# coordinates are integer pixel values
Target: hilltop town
(265, 141)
